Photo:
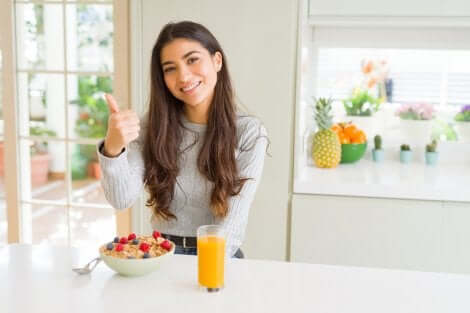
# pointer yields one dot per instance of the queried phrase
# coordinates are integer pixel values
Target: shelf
(389, 179)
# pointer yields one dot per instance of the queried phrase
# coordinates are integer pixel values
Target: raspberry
(131, 236)
(144, 247)
(119, 247)
(166, 245)
(123, 240)
(156, 234)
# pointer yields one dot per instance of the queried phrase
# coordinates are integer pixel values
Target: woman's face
(190, 71)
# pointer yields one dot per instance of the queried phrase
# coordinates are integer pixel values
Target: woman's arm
(250, 161)
(122, 175)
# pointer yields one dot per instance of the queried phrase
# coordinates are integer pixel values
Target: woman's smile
(190, 89)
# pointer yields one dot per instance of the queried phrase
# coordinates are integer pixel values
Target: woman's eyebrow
(184, 57)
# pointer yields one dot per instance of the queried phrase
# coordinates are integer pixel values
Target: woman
(198, 157)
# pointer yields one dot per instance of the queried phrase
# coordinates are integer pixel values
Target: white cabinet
(419, 8)
(388, 233)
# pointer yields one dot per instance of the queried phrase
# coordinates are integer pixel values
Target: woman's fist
(123, 127)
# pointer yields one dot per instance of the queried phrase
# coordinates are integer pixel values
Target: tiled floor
(88, 226)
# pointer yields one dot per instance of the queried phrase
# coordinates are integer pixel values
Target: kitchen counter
(39, 279)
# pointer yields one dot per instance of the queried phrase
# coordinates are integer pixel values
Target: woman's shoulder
(249, 128)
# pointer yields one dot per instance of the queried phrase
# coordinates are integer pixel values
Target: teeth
(190, 87)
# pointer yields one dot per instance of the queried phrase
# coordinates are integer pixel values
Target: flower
(464, 114)
(416, 111)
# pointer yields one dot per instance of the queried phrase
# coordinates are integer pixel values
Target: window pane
(43, 167)
(92, 227)
(41, 98)
(40, 36)
(90, 37)
(86, 175)
(88, 112)
(49, 223)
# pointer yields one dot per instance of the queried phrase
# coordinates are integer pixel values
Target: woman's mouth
(189, 89)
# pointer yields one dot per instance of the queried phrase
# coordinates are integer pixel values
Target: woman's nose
(184, 75)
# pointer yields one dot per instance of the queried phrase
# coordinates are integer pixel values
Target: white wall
(259, 39)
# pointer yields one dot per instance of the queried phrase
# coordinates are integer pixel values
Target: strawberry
(131, 236)
(156, 234)
(166, 245)
(119, 247)
(144, 247)
(123, 240)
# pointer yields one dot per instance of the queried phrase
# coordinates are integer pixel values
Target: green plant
(405, 147)
(464, 114)
(377, 142)
(93, 112)
(39, 130)
(361, 103)
(432, 147)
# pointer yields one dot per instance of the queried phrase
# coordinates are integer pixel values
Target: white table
(39, 279)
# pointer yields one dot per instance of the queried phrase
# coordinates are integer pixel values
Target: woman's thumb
(112, 105)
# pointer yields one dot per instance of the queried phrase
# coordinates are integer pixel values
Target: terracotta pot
(94, 170)
(39, 169)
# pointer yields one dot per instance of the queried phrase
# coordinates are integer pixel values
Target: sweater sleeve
(250, 161)
(122, 175)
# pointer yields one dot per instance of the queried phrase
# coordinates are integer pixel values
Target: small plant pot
(378, 155)
(405, 156)
(431, 158)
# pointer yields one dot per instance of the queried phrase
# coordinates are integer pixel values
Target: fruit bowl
(135, 267)
(352, 152)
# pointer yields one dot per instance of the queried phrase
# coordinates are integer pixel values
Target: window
(65, 63)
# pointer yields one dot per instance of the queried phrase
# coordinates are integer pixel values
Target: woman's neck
(198, 114)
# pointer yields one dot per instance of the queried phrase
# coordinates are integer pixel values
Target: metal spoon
(87, 268)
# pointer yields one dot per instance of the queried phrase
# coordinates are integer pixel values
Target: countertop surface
(39, 279)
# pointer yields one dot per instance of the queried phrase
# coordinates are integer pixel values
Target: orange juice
(211, 255)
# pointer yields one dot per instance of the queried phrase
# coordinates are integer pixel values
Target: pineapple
(326, 150)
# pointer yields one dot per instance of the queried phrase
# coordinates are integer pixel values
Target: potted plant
(91, 123)
(405, 153)
(366, 98)
(431, 153)
(377, 152)
(416, 120)
(462, 123)
(40, 157)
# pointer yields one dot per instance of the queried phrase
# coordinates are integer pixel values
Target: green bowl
(352, 152)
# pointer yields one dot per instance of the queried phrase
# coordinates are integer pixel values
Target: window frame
(121, 86)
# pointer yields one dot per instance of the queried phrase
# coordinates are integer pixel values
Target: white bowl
(136, 267)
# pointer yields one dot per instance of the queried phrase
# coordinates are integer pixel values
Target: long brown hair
(164, 134)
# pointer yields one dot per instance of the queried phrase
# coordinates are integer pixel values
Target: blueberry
(116, 239)
(135, 242)
(146, 255)
(110, 246)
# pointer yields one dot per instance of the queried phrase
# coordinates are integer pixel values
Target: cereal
(154, 247)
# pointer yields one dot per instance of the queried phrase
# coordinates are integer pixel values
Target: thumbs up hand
(123, 127)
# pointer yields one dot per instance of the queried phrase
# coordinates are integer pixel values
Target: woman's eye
(168, 69)
(192, 60)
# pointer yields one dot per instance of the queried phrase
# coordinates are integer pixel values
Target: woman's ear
(217, 59)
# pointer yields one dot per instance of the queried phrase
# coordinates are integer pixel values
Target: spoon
(87, 268)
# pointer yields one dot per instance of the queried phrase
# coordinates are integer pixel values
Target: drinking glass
(211, 257)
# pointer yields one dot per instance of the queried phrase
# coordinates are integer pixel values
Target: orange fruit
(343, 138)
(360, 137)
(350, 131)
(336, 128)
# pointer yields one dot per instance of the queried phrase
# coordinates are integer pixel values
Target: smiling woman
(199, 157)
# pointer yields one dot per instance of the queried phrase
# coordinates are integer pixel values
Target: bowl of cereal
(136, 255)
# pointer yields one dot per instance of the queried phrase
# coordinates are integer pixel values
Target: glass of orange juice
(211, 257)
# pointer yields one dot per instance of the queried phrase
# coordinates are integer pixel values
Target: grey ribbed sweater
(123, 182)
